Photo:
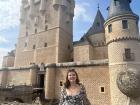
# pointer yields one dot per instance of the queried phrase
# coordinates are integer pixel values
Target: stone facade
(122, 34)
(8, 61)
(43, 32)
(94, 75)
(105, 57)
(94, 78)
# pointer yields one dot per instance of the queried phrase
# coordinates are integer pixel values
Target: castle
(107, 57)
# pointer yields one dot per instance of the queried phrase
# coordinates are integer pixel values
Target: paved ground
(17, 103)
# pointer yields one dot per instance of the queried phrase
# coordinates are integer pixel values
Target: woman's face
(72, 77)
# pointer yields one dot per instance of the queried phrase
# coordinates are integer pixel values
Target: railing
(128, 57)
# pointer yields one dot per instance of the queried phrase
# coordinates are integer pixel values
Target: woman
(73, 92)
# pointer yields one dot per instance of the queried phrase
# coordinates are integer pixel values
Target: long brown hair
(67, 82)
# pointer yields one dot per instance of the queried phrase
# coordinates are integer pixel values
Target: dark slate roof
(83, 41)
(119, 7)
(98, 25)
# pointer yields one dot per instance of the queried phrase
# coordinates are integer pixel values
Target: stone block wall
(118, 48)
(8, 61)
(94, 75)
(16, 77)
(83, 53)
(118, 32)
(88, 52)
(65, 46)
(94, 79)
(97, 39)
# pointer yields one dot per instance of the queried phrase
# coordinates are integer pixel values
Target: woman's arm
(62, 97)
(85, 99)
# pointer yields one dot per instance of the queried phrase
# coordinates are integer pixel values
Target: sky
(85, 12)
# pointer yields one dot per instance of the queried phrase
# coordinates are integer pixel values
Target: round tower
(122, 38)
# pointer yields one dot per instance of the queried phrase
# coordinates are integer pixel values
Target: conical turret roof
(119, 7)
(98, 24)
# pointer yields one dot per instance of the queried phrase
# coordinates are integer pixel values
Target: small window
(46, 21)
(97, 24)
(46, 28)
(116, 2)
(26, 34)
(102, 89)
(35, 31)
(61, 83)
(68, 46)
(128, 56)
(103, 43)
(110, 28)
(128, 53)
(45, 44)
(137, 23)
(25, 45)
(95, 44)
(124, 24)
(34, 46)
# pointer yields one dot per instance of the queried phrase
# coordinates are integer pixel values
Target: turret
(122, 38)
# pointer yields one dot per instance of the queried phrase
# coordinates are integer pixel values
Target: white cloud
(3, 52)
(9, 13)
(81, 12)
(3, 40)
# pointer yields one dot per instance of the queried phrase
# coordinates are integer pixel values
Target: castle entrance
(41, 85)
(41, 78)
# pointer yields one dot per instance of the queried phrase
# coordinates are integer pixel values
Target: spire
(98, 6)
(119, 7)
(98, 24)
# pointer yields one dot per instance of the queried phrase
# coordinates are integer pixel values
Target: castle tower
(92, 45)
(122, 38)
(46, 28)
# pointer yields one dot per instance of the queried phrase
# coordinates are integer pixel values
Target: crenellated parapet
(34, 16)
(67, 5)
(57, 3)
(42, 7)
(44, 26)
(123, 39)
(22, 11)
(32, 9)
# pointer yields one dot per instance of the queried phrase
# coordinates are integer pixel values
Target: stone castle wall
(118, 40)
(93, 79)
(118, 32)
(83, 53)
(94, 75)
(88, 52)
(8, 61)
(15, 77)
(43, 32)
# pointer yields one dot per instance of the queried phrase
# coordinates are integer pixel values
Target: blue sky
(85, 12)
